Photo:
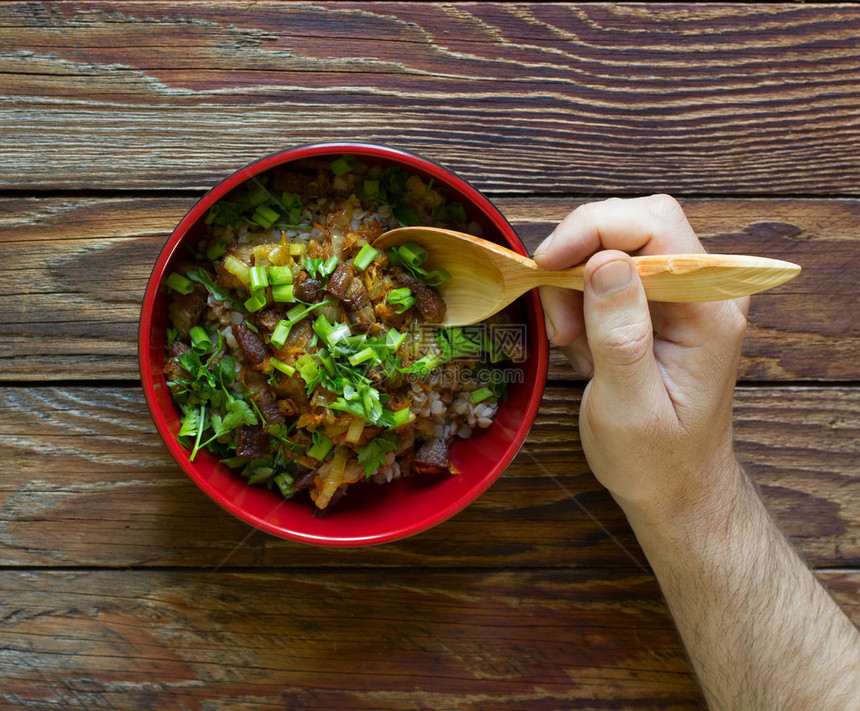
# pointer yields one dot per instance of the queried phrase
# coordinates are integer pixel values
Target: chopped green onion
(294, 314)
(331, 334)
(344, 164)
(398, 295)
(370, 188)
(329, 266)
(265, 216)
(216, 250)
(322, 445)
(251, 326)
(259, 474)
(362, 356)
(401, 298)
(280, 275)
(200, 339)
(394, 257)
(291, 201)
(179, 283)
(317, 268)
(406, 216)
(279, 335)
(327, 361)
(297, 313)
(457, 211)
(423, 366)
(256, 302)
(308, 370)
(400, 417)
(235, 462)
(283, 293)
(412, 254)
(285, 483)
(480, 395)
(394, 339)
(259, 278)
(437, 277)
(285, 368)
(257, 196)
(364, 257)
(312, 265)
(338, 333)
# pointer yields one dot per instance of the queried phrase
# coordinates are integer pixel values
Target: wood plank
(80, 266)
(88, 483)
(343, 639)
(361, 639)
(574, 98)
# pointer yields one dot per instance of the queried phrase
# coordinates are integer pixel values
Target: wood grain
(346, 639)
(752, 99)
(359, 639)
(123, 586)
(79, 267)
(89, 483)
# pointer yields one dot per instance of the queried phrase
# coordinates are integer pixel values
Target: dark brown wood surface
(122, 586)
(98, 253)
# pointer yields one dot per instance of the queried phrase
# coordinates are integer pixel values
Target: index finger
(648, 225)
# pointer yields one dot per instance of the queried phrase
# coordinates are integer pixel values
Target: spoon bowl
(486, 277)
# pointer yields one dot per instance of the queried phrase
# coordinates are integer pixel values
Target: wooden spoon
(486, 277)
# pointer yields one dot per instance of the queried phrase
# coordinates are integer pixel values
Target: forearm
(762, 633)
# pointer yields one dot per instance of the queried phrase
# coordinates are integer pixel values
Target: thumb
(619, 330)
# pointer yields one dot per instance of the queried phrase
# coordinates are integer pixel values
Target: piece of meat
(177, 348)
(377, 377)
(431, 458)
(293, 389)
(356, 296)
(252, 345)
(306, 288)
(339, 281)
(253, 442)
(427, 299)
(351, 290)
(269, 317)
(298, 340)
(172, 366)
(386, 313)
(265, 401)
(185, 310)
(287, 407)
(306, 482)
(359, 308)
(306, 184)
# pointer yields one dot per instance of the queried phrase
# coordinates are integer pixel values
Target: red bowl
(369, 514)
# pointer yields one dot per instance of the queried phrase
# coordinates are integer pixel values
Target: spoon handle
(688, 277)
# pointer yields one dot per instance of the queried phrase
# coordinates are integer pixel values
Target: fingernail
(550, 328)
(544, 246)
(612, 277)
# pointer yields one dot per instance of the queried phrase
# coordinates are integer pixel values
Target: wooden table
(123, 586)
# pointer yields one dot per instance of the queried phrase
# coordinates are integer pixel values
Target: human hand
(655, 418)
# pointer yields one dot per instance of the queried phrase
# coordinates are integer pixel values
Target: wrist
(702, 506)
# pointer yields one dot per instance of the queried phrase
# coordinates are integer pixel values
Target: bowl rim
(201, 206)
